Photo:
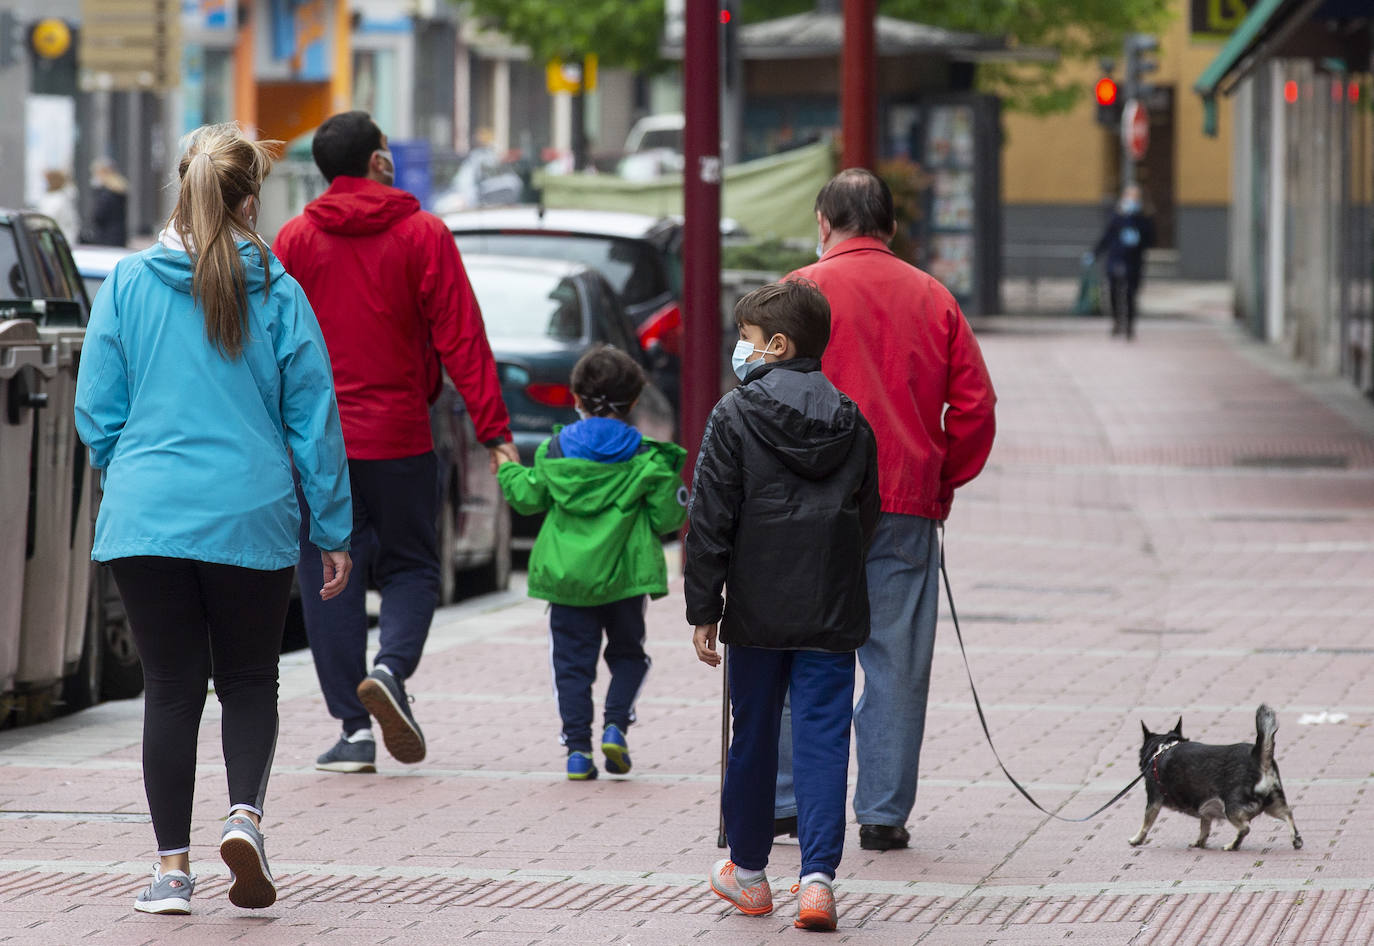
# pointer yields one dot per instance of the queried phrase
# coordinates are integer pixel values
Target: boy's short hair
(608, 381)
(795, 308)
(344, 144)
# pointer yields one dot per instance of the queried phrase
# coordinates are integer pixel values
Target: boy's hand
(503, 454)
(704, 639)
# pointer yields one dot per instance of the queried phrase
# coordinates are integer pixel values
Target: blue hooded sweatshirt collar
(173, 266)
(603, 439)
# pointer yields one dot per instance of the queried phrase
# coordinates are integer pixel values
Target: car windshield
(520, 303)
(630, 266)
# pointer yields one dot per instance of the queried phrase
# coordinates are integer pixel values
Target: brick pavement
(1181, 526)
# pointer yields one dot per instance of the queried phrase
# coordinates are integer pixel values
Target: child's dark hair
(608, 381)
(795, 308)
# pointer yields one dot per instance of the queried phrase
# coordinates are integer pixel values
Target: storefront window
(375, 88)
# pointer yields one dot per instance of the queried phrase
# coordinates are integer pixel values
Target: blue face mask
(739, 358)
(1130, 206)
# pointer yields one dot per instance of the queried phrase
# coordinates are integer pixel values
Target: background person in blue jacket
(204, 374)
(1129, 233)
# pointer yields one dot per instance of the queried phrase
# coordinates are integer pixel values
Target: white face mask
(739, 358)
(820, 249)
(582, 415)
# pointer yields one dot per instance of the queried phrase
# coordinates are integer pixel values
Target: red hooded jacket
(901, 349)
(389, 289)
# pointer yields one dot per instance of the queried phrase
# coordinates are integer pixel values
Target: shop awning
(1266, 27)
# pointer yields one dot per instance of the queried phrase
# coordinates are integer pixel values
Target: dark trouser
(576, 634)
(822, 689)
(1123, 291)
(395, 510)
(192, 621)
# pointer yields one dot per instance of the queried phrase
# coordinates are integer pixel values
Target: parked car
(639, 255)
(541, 317)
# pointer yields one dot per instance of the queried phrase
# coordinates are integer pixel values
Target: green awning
(1267, 22)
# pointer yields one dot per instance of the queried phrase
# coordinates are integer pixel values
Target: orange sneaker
(815, 907)
(755, 900)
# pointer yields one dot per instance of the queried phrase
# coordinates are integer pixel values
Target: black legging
(191, 621)
(1123, 290)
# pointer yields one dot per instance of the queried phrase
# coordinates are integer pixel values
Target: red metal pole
(701, 359)
(859, 84)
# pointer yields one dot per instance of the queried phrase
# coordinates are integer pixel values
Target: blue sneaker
(581, 768)
(617, 750)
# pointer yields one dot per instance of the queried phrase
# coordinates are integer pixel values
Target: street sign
(130, 44)
(1135, 129)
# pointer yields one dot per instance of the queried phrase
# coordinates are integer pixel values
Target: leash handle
(978, 705)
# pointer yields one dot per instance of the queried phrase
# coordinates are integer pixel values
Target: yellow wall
(1064, 159)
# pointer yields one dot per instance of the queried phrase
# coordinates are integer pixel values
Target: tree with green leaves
(1075, 29)
(623, 33)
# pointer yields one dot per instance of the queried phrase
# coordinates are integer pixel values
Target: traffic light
(14, 40)
(1107, 96)
(1139, 64)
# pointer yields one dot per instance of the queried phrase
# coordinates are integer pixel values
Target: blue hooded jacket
(194, 445)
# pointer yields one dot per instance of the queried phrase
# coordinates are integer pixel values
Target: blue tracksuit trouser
(822, 688)
(575, 643)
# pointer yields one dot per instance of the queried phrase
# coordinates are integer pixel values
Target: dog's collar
(1164, 747)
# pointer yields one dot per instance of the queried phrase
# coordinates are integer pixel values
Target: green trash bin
(20, 357)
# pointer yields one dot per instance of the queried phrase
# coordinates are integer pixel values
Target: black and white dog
(1234, 782)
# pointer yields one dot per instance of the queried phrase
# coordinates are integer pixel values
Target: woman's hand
(337, 567)
(705, 642)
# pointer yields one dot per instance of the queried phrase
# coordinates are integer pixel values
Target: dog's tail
(1266, 724)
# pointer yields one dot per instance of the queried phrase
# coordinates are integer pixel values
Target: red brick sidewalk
(1179, 526)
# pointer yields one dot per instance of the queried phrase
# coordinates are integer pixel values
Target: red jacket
(388, 287)
(901, 349)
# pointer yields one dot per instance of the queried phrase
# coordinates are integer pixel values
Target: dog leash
(978, 705)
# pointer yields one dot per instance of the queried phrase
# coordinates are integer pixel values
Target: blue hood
(603, 439)
(173, 266)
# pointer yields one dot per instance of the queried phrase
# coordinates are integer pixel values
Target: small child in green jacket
(610, 494)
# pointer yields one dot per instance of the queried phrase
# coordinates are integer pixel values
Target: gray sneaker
(345, 756)
(385, 698)
(168, 893)
(240, 846)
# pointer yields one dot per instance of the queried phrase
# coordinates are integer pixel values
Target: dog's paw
(1297, 842)
(1200, 845)
(1139, 839)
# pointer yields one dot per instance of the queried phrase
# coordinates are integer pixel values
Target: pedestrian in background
(784, 503)
(391, 293)
(1130, 232)
(109, 205)
(901, 348)
(59, 202)
(610, 494)
(203, 376)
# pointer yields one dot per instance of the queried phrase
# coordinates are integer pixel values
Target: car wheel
(448, 539)
(121, 673)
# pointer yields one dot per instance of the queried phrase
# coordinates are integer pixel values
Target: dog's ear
(1178, 728)
(1145, 729)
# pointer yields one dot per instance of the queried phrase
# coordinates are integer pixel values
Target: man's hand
(337, 567)
(503, 453)
(704, 640)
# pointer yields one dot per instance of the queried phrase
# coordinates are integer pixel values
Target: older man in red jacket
(901, 349)
(389, 290)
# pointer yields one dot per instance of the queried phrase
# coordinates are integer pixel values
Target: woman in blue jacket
(204, 376)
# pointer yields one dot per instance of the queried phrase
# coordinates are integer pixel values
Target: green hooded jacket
(601, 540)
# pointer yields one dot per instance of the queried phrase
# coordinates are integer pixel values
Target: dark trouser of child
(576, 634)
(822, 687)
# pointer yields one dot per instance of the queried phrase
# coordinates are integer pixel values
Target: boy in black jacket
(784, 503)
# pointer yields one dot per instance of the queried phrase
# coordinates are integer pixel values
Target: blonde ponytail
(221, 167)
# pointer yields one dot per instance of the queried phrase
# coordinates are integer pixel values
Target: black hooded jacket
(784, 504)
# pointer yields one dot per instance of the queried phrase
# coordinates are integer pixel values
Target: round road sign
(1135, 129)
(51, 38)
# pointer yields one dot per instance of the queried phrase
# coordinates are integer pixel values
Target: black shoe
(385, 698)
(882, 837)
(787, 826)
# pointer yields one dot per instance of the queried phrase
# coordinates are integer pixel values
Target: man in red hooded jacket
(901, 349)
(388, 287)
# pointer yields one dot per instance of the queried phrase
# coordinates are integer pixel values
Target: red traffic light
(1105, 90)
